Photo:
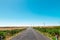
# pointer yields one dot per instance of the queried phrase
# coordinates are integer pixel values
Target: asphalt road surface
(30, 34)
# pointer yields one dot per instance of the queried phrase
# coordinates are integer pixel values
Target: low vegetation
(8, 33)
(53, 32)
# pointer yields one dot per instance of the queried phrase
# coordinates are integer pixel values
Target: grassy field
(52, 32)
(11, 28)
(6, 32)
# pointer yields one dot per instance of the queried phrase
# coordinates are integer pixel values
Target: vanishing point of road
(30, 34)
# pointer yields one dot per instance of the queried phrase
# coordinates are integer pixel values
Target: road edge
(42, 34)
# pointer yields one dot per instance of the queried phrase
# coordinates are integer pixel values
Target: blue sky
(29, 12)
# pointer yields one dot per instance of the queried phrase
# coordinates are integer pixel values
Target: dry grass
(11, 28)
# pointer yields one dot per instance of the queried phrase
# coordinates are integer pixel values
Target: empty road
(30, 34)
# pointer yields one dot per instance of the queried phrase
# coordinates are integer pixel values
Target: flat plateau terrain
(10, 28)
(30, 34)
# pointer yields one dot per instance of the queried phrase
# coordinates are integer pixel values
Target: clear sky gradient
(29, 12)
